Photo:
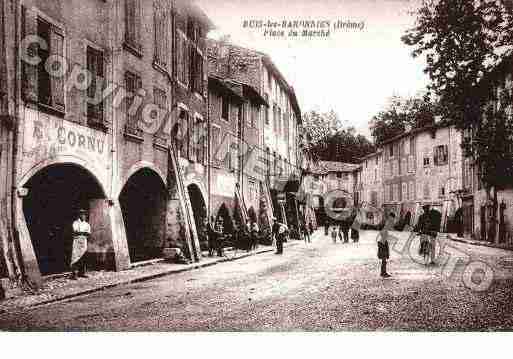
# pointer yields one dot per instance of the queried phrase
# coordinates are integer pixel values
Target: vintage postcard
(261, 166)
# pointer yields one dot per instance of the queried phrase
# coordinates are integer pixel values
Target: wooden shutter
(192, 67)
(30, 72)
(57, 83)
(186, 55)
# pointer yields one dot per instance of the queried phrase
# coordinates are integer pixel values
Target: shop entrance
(55, 195)
(199, 209)
(143, 204)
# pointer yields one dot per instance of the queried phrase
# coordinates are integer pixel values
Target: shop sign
(224, 185)
(46, 136)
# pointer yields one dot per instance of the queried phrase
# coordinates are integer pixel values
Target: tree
(401, 114)
(462, 42)
(327, 139)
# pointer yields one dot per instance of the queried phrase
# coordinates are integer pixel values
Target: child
(334, 234)
(383, 247)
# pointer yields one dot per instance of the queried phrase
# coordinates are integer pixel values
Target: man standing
(278, 231)
(344, 227)
(425, 227)
(212, 237)
(81, 233)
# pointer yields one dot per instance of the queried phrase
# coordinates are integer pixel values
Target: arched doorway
(55, 195)
(226, 219)
(143, 203)
(199, 210)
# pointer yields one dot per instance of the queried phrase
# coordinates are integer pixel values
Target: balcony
(160, 142)
(133, 133)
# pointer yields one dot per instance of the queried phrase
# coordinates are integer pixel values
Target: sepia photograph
(272, 166)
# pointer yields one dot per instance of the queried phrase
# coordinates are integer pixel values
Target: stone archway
(199, 211)
(55, 193)
(143, 201)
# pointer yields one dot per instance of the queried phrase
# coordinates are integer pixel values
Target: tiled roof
(324, 167)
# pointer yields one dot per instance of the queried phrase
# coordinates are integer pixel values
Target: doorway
(143, 204)
(55, 195)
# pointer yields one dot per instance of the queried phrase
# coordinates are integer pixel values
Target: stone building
(333, 184)
(422, 166)
(371, 197)
(274, 130)
(478, 209)
(86, 116)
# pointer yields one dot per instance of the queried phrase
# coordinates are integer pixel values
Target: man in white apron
(81, 233)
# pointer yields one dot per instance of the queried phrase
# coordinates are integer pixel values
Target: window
(181, 58)
(404, 166)
(426, 161)
(278, 120)
(193, 30)
(441, 155)
(215, 139)
(161, 33)
(38, 85)
(133, 83)
(160, 98)
(95, 67)
(196, 70)
(426, 190)
(339, 174)
(181, 132)
(374, 198)
(406, 146)
(232, 155)
(412, 145)
(404, 186)
(391, 151)
(133, 24)
(200, 140)
(225, 109)
(411, 190)
(266, 110)
(411, 164)
(255, 111)
(441, 191)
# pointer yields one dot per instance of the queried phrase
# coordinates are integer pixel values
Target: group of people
(250, 234)
(247, 237)
(427, 228)
(343, 230)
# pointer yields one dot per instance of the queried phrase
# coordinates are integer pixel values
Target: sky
(353, 71)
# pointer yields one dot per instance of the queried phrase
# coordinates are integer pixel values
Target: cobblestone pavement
(316, 286)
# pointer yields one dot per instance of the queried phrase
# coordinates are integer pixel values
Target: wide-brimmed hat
(82, 211)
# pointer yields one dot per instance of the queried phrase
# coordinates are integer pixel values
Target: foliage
(326, 138)
(401, 114)
(462, 42)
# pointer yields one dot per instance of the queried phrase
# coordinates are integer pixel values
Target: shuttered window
(196, 70)
(180, 133)
(38, 85)
(95, 66)
(225, 108)
(441, 155)
(161, 18)
(133, 83)
(182, 58)
(266, 110)
(133, 24)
